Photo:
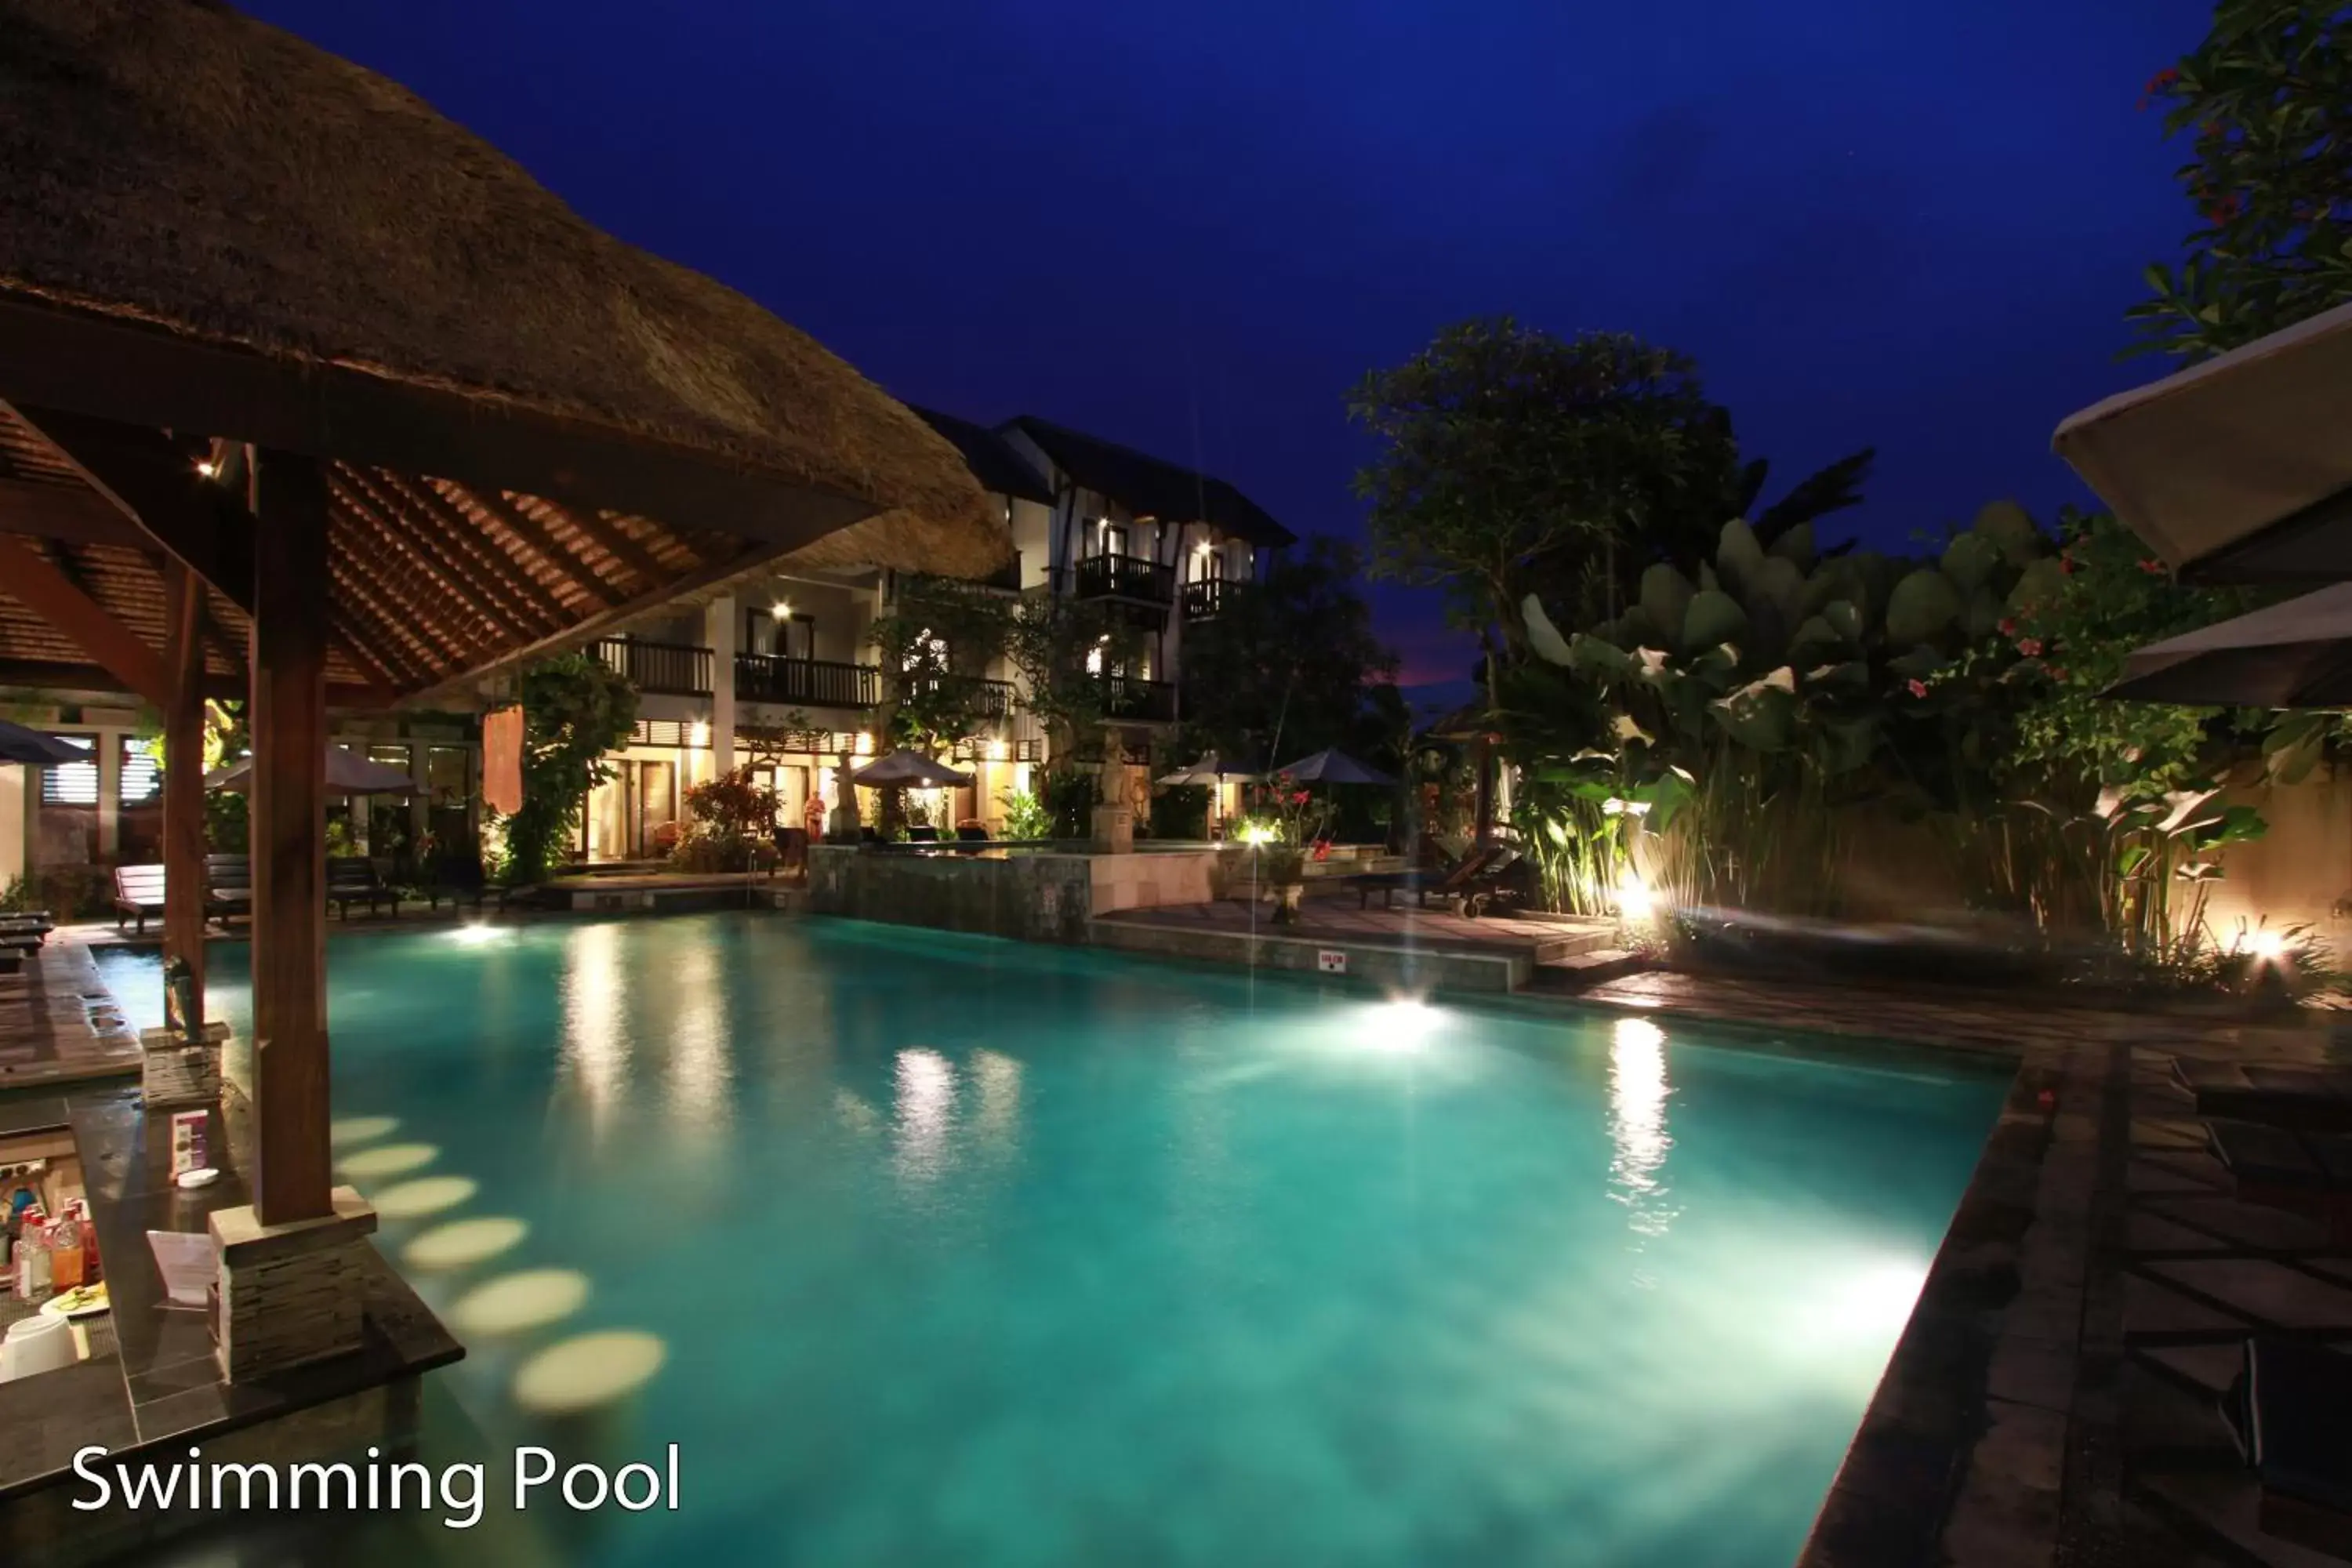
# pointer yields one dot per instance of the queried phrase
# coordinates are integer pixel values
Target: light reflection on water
(1637, 1124)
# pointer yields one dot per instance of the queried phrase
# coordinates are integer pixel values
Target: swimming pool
(974, 1252)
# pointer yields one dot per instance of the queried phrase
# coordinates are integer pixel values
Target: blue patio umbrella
(30, 747)
(1332, 766)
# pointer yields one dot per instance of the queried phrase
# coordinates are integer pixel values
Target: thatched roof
(990, 457)
(257, 240)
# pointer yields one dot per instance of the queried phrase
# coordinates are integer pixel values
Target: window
(1114, 538)
(72, 783)
(142, 781)
(783, 633)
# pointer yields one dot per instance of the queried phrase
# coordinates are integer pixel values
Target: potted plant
(1285, 820)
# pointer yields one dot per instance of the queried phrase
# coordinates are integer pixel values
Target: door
(656, 802)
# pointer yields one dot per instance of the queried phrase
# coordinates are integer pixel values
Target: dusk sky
(1191, 229)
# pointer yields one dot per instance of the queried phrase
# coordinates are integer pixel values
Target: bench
(138, 893)
(228, 886)
(352, 879)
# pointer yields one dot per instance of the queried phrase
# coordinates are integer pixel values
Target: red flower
(2158, 83)
(2029, 647)
(1298, 799)
(2056, 673)
(1918, 688)
(2009, 628)
(2066, 565)
(2153, 568)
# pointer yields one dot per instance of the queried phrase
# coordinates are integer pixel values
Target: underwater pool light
(477, 933)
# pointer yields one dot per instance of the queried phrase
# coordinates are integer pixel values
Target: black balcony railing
(679, 669)
(819, 682)
(993, 698)
(1203, 598)
(1122, 577)
(1139, 701)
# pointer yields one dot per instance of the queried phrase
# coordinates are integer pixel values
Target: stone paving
(2054, 1397)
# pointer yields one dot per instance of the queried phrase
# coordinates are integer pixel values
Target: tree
(1289, 655)
(1507, 452)
(935, 645)
(1064, 648)
(2268, 97)
(575, 709)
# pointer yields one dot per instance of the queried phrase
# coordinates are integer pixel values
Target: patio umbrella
(2235, 469)
(346, 774)
(1208, 770)
(1335, 767)
(2294, 655)
(912, 769)
(30, 747)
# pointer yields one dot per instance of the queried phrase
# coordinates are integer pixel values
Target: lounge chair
(2286, 1409)
(462, 883)
(352, 879)
(1502, 881)
(34, 923)
(228, 886)
(2308, 1100)
(138, 893)
(1443, 881)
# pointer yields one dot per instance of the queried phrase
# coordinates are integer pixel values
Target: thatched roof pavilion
(305, 390)
(213, 228)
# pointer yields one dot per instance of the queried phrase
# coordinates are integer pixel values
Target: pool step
(1574, 943)
(1583, 970)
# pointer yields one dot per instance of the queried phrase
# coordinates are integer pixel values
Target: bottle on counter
(33, 1261)
(65, 1254)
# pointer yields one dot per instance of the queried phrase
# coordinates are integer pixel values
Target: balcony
(815, 682)
(666, 668)
(1137, 577)
(992, 698)
(1139, 701)
(1203, 598)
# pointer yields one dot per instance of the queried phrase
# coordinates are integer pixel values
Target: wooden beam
(40, 587)
(74, 513)
(154, 486)
(441, 537)
(50, 675)
(608, 537)
(390, 591)
(465, 536)
(534, 533)
(451, 585)
(146, 375)
(183, 778)
(291, 1180)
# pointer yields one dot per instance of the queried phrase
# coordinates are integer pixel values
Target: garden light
(2268, 946)
(1634, 900)
(1257, 833)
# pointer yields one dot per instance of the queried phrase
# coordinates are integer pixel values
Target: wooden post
(288, 840)
(183, 779)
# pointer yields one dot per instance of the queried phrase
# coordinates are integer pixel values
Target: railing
(1203, 598)
(1142, 701)
(678, 669)
(1122, 577)
(993, 698)
(820, 682)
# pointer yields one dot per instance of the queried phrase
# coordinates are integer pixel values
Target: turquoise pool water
(974, 1253)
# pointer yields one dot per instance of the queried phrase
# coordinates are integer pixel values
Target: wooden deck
(58, 1022)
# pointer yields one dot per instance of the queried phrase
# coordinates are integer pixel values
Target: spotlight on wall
(783, 610)
(206, 467)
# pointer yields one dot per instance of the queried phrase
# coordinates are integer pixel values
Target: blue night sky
(1191, 228)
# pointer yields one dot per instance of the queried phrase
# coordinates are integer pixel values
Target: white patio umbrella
(346, 774)
(2237, 469)
(1208, 769)
(2297, 654)
(912, 769)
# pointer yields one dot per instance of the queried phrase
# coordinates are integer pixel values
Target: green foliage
(730, 817)
(67, 892)
(1502, 447)
(575, 710)
(1025, 816)
(226, 826)
(2112, 597)
(1289, 654)
(1181, 811)
(935, 644)
(1051, 639)
(1069, 794)
(2267, 102)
